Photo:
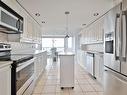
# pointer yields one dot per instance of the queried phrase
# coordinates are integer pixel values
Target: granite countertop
(5, 63)
(66, 54)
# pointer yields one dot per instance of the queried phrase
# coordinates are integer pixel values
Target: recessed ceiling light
(43, 22)
(83, 24)
(37, 14)
(67, 12)
(95, 14)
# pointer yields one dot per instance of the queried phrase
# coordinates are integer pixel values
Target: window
(70, 42)
(58, 42)
(48, 43)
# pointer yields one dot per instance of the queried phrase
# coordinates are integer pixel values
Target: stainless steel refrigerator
(115, 54)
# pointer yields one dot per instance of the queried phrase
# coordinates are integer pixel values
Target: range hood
(10, 21)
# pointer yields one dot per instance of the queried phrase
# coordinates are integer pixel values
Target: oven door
(24, 76)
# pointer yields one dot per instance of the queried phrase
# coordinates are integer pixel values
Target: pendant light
(67, 32)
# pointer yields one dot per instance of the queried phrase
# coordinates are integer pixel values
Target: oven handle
(24, 64)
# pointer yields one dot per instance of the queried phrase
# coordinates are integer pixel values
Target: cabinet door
(5, 81)
(99, 67)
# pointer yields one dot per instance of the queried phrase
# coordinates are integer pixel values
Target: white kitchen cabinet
(31, 29)
(5, 80)
(40, 63)
(99, 67)
(93, 33)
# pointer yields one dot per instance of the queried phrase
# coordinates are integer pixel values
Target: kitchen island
(66, 69)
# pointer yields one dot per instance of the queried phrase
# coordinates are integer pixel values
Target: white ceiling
(52, 12)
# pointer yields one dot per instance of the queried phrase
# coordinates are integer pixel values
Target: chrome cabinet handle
(116, 20)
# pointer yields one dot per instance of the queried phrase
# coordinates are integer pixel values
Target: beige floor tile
(62, 93)
(87, 88)
(100, 93)
(58, 89)
(83, 81)
(77, 88)
(38, 90)
(48, 94)
(90, 93)
(49, 82)
(77, 93)
(98, 88)
(49, 89)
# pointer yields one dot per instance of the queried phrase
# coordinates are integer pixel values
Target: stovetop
(17, 58)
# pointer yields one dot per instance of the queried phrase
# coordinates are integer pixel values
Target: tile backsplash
(93, 47)
(3, 37)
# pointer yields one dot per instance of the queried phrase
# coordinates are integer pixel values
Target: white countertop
(39, 51)
(5, 63)
(34, 52)
(66, 54)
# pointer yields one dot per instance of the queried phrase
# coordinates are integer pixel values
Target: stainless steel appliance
(90, 64)
(115, 56)
(10, 21)
(22, 73)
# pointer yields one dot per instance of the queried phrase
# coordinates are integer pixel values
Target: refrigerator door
(111, 26)
(114, 83)
(124, 44)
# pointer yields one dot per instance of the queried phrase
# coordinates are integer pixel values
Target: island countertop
(66, 54)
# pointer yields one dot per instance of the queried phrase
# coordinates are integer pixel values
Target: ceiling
(52, 12)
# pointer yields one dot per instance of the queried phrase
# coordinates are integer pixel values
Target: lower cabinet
(99, 67)
(5, 80)
(40, 63)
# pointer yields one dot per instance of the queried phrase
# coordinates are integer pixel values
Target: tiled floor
(49, 83)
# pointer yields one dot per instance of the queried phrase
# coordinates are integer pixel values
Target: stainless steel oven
(24, 76)
(22, 72)
(109, 43)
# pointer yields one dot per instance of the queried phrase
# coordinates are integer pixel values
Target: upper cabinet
(93, 33)
(31, 29)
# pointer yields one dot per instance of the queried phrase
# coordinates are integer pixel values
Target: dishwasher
(90, 63)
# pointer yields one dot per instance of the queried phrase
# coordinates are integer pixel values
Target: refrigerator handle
(124, 36)
(117, 57)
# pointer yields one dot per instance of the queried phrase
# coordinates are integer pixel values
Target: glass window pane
(47, 42)
(70, 42)
(58, 42)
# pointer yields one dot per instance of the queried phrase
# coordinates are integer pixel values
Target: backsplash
(3, 37)
(93, 47)
(22, 48)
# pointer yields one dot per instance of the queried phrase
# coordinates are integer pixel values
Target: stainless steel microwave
(10, 21)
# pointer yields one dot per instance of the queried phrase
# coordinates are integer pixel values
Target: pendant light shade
(67, 34)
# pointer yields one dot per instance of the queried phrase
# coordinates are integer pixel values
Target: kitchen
(98, 46)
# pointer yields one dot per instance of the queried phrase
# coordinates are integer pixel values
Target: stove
(22, 72)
